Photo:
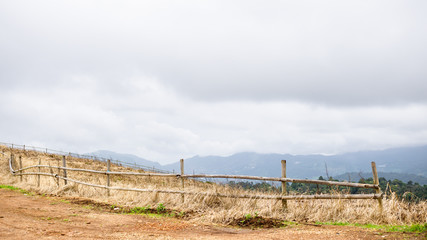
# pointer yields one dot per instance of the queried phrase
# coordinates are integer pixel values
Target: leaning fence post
(108, 176)
(64, 164)
(182, 179)
(38, 176)
(284, 202)
(12, 163)
(377, 182)
(20, 167)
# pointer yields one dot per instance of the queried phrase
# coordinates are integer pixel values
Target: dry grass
(203, 208)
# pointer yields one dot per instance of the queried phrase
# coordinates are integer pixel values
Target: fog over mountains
(406, 163)
(166, 80)
(128, 158)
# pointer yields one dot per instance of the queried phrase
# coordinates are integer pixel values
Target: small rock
(1, 217)
(88, 223)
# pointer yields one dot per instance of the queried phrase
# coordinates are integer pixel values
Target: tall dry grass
(203, 208)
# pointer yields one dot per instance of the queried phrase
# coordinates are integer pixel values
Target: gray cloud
(337, 53)
(158, 123)
(167, 80)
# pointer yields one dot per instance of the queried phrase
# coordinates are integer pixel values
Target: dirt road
(39, 217)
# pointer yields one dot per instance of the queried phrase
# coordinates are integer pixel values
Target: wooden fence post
(11, 161)
(20, 167)
(108, 176)
(376, 181)
(38, 176)
(64, 164)
(182, 179)
(284, 202)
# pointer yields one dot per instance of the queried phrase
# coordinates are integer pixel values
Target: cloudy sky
(172, 79)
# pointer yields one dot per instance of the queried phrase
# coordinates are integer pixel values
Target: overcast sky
(166, 80)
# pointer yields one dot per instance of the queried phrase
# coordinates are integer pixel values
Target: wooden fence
(83, 156)
(21, 171)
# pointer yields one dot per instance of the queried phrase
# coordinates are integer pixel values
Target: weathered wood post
(12, 160)
(64, 164)
(38, 176)
(284, 202)
(377, 182)
(182, 179)
(108, 176)
(20, 167)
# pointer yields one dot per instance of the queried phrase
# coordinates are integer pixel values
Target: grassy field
(204, 208)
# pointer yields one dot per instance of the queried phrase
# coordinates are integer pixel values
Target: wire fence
(85, 156)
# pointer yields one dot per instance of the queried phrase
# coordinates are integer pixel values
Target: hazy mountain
(128, 158)
(409, 160)
(408, 163)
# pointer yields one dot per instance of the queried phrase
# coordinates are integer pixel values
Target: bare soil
(40, 217)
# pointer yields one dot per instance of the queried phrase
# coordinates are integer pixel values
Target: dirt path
(30, 217)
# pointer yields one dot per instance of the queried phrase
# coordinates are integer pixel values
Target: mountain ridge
(125, 157)
(403, 160)
(411, 160)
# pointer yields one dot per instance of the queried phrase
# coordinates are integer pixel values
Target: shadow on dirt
(257, 222)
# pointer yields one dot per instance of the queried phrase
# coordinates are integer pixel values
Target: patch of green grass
(139, 210)
(15, 189)
(160, 208)
(9, 187)
(157, 212)
(287, 223)
(414, 228)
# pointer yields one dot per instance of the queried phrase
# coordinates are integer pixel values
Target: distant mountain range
(128, 158)
(409, 163)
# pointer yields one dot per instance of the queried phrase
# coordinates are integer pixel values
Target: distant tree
(409, 191)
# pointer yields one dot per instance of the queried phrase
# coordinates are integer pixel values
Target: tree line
(409, 191)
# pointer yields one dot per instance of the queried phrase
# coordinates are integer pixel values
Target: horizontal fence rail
(84, 156)
(330, 183)
(278, 197)
(322, 182)
(283, 196)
